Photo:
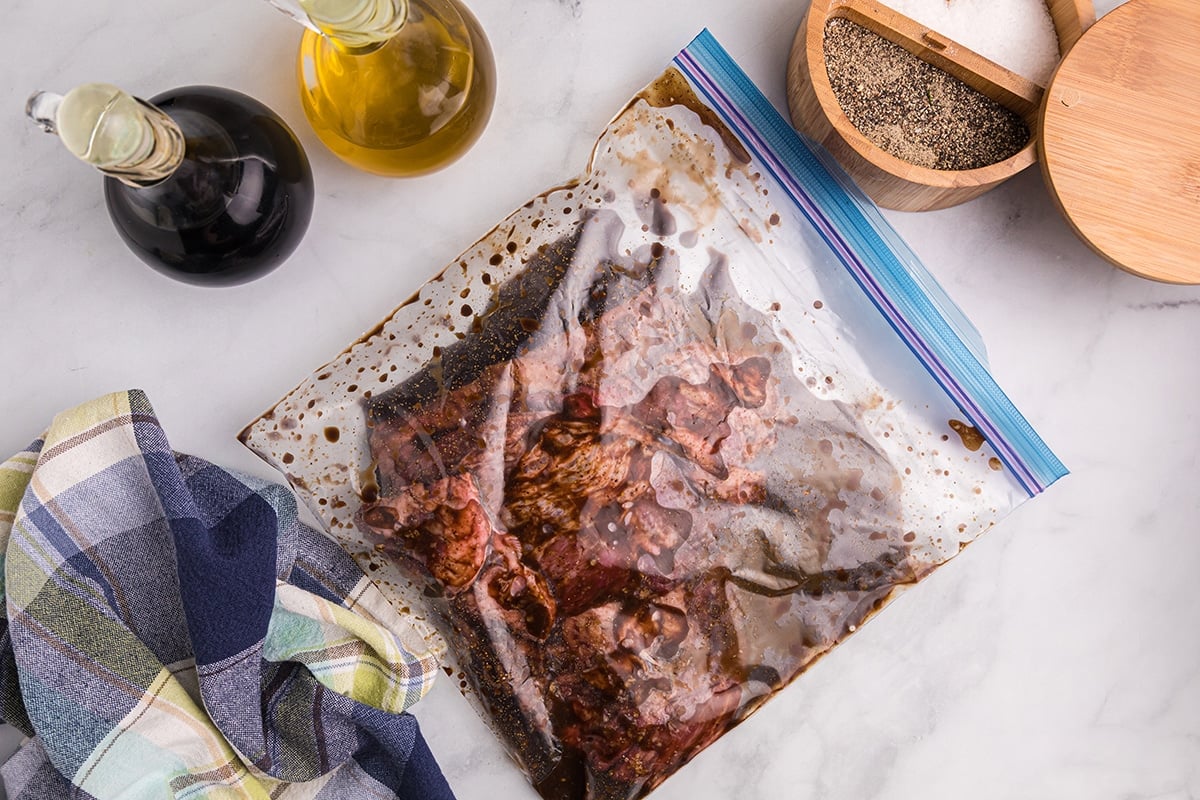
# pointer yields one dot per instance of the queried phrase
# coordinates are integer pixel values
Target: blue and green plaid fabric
(174, 631)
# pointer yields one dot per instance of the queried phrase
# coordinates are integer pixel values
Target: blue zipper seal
(887, 271)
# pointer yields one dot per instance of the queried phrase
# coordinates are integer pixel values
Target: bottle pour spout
(113, 131)
(353, 24)
(42, 108)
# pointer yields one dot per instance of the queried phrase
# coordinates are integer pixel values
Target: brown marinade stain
(672, 89)
(972, 439)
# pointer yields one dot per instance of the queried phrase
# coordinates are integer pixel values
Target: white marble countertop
(1059, 657)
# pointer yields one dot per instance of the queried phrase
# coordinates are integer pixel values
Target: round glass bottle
(206, 185)
(394, 87)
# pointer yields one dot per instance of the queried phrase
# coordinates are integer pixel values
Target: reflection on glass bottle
(394, 87)
(206, 185)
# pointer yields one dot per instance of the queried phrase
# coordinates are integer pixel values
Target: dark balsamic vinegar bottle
(206, 185)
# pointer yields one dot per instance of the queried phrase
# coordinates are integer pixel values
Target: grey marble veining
(1059, 657)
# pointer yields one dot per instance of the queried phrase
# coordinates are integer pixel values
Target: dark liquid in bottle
(236, 207)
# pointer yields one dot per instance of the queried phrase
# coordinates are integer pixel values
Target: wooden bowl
(888, 180)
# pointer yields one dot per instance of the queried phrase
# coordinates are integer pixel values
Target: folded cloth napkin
(174, 631)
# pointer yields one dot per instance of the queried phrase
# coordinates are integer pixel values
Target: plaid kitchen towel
(174, 631)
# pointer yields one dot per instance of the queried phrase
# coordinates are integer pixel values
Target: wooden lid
(1120, 138)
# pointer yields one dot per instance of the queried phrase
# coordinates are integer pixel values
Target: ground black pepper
(912, 109)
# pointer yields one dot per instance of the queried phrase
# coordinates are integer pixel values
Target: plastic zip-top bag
(662, 438)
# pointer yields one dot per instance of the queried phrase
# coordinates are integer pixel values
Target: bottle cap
(351, 23)
(111, 130)
(99, 123)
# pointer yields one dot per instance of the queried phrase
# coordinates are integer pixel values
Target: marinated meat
(639, 520)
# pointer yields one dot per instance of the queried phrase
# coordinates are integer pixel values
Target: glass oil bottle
(394, 87)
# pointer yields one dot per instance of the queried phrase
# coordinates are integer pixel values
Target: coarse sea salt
(1016, 34)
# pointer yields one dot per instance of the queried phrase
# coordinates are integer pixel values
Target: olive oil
(403, 101)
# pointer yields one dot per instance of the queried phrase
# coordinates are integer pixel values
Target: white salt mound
(1016, 34)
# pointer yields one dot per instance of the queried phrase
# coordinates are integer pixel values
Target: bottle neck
(355, 26)
(118, 134)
